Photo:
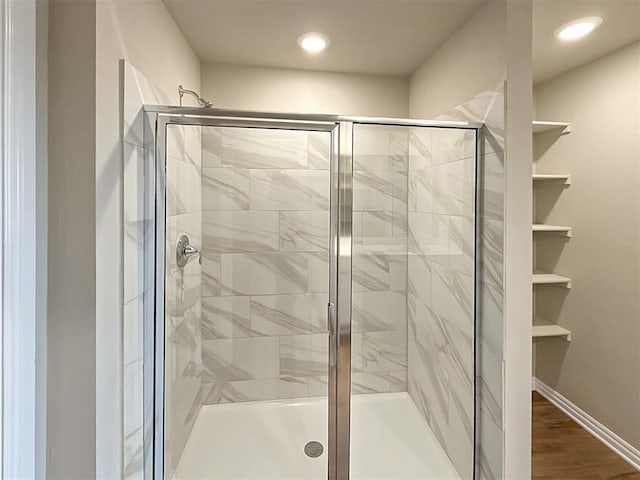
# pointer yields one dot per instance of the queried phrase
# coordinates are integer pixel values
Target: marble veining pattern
(370, 270)
(137, 221)
(258, 148)
(183, 308)
(282, 315)
(289, 190)
(240, 232)
(225, 188)
(319, 150)
(304, 231)
(279, 289)
(226, 317)
(379, 262)
(265, 197)
(440, 363)
(303, 355)
(489, 108)
(183, 286)
(211, 147)
(264, 273)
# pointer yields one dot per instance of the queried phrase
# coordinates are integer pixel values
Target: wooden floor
(563, 450)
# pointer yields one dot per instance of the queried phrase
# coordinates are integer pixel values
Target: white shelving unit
(552, 178)
(544, 329)
(539, 227)
(540, 126)
(551, 279)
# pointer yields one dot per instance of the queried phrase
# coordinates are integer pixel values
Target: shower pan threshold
(266, 440)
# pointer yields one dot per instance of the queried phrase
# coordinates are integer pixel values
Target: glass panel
(246, 329)
(413, 303)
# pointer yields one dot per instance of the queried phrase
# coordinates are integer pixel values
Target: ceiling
(391, 37)
(551, 57)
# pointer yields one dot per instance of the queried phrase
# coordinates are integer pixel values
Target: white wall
(517, 241)
(143, 33)
(301, 91)
(471, 61)
(599, 370)
(86, 41)
(71, 331)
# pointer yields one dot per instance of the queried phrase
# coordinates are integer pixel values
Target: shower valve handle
(185, 251)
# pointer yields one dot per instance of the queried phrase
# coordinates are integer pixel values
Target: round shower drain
(313, 449)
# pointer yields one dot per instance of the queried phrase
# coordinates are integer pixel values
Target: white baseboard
(595, 428)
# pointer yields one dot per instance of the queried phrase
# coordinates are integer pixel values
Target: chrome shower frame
(340, 253)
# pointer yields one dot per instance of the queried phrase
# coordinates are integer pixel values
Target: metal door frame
(340, 254)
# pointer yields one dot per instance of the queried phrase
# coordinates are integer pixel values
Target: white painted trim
(617, 444)
(18, 211)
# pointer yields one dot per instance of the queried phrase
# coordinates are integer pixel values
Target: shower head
(201, 101)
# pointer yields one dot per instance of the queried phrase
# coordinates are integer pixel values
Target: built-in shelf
(537, 227)
(551, 279)
(540, 126)
(543, 329)
(552, 178)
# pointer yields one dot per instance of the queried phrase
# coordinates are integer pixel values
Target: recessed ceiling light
(577, 29)
(313, 42)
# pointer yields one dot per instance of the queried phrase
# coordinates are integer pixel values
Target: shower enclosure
(314, 306)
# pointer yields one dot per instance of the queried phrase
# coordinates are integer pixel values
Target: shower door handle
(331, 319)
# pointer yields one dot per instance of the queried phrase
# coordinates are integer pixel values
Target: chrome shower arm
(201, 101)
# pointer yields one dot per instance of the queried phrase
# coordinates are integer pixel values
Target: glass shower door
(247, 268)
(318, 310)
(412, 340)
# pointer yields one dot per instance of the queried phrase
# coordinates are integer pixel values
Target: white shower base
(265, 440)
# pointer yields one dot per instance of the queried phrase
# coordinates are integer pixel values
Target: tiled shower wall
(265, 273)
(441, 286)
(440, 381)
(489, 108)
(265, 197)
(138, 289)
(183, 339)
(379, 320)
(183, 305)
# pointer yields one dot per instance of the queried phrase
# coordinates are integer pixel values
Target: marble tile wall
(440, 291)
(265, 198)
(379, 282)
(183, 291)
(137, 286)
(265, 273)
(489, 108)
(183, 296)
